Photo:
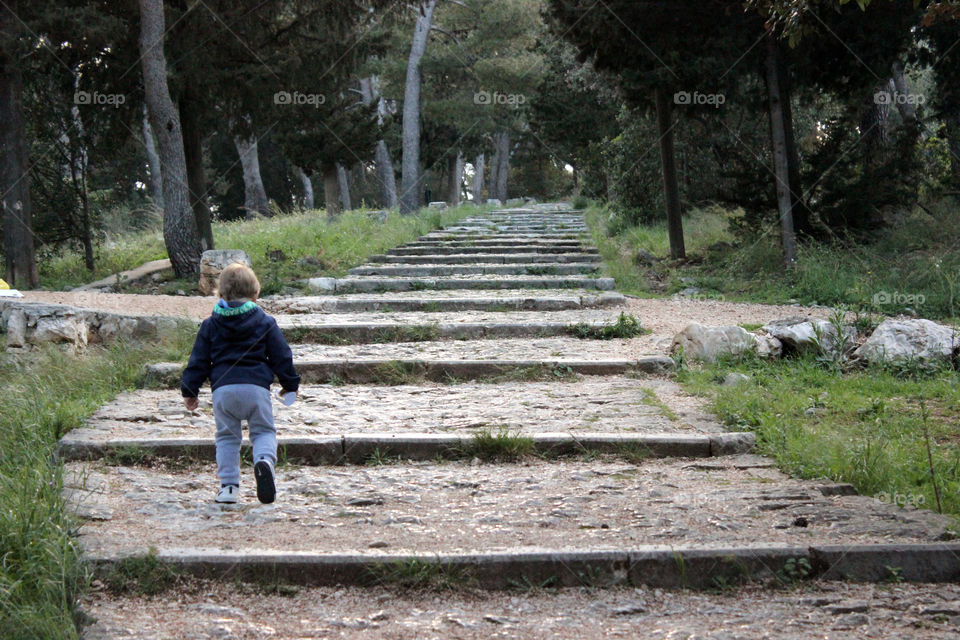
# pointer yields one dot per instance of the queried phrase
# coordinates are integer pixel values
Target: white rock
(439, 204)
(494, 201)
(66, 328)
(16, 329)
(918, 340)
(801, 333)
(709, 343)
(735, 378)
(214, 261)
(322, 284)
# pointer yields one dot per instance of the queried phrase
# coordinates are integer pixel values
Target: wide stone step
(488, 258)
(519, 242)
(827, 608)
(430, 302)
(608, 521)
(431, 251)
(366, 284)
(595, 405)
(446, 235)
(412, 270)
(373, 370)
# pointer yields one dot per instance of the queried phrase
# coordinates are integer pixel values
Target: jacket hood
(237, 322)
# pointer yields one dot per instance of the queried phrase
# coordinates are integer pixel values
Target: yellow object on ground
(4, 285)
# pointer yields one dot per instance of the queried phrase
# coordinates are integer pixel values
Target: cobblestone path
(468, 459)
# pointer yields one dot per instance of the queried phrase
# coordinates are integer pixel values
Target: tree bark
(780, 162)
(455, 175)
(193, 153)
(410, 167)
(671, 189)
(478, 169)
(307, 187)
(20, 260)
(502, 160)
(254, 195)
(494, 165)
(343, 187)
(330, 197)
(952, 121)
(179, 224)
(801, 213)
(385, 175)
(905, 106)
(153, 163)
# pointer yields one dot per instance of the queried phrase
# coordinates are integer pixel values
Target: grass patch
(283, 248)
(419, 575)
(498, 446)
(626, 326)
(142, 575)
(889, 432)
(47, 393)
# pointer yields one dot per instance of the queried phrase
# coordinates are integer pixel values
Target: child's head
(238, 282)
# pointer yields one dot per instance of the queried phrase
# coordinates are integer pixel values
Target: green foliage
(143, 575)
(499, 446)
(626, 326)
(419, 575)
(46, 394)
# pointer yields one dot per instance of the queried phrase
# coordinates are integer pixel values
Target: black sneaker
(266, 489)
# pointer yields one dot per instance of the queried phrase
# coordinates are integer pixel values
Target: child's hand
(191, 403)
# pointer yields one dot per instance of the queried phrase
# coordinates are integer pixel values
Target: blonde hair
(238, 281)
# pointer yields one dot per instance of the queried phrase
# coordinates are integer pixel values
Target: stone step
(367, 284)
(519, 242)
(520, 269)
(447, 235)
(609, 520)
(594, 405)
(488, 258)
(423, 301)
(411, 608)
(401, 370)
(525, 250)
(360, 448)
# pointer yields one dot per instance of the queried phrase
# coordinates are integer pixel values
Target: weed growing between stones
(499, 446)
(143, 575)
(626, 326)
(419, 575)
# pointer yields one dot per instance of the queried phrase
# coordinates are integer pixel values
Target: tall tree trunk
(330, 197)
(494, 165)
(254, 195)
(193, 153)
(901, 93)
(671, 189)
(952, 122)
(502, 158)
(801, 213)
(307, 187)
(780, 162)
(455, 172)
(478, 168)
(20, 262)
(410, 167)
(179, 224)
(153, 162)
(385, 175)
(343, 187)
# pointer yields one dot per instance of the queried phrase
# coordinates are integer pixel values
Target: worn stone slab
(362, 284)
(938, 562)
(145, 270)
(752, 612)
(461, 250)
(459, 507)
(414, 270)
(597, 405)
(477, 300)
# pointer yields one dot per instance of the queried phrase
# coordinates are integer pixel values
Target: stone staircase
(453, 431)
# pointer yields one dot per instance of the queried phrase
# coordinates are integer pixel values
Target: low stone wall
(26, 324)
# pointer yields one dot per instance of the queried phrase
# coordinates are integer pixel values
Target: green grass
(47, 393)
(310, 245)
(626, 326)
(498, 446)
(914, 264)
(869, 427)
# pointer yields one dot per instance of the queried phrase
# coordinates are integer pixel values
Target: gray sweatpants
(233, 403)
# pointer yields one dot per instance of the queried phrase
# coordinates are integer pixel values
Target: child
(240, 348)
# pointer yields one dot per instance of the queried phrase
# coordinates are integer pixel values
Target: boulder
(68, 327)
(645, 258)
(214, 261)
(799, 333)
(328, 285)
(909, 340)
(495, 202)
(710, 343)
(438, 204)
(16, 329)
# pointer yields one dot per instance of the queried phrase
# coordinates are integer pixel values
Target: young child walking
(240, 348)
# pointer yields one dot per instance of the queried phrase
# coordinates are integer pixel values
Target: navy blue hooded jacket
(239, 344)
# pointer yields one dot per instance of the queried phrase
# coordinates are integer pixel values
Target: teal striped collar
(249, 305)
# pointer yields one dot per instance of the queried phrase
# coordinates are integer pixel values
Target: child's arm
(198, 369)
(281, 359)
